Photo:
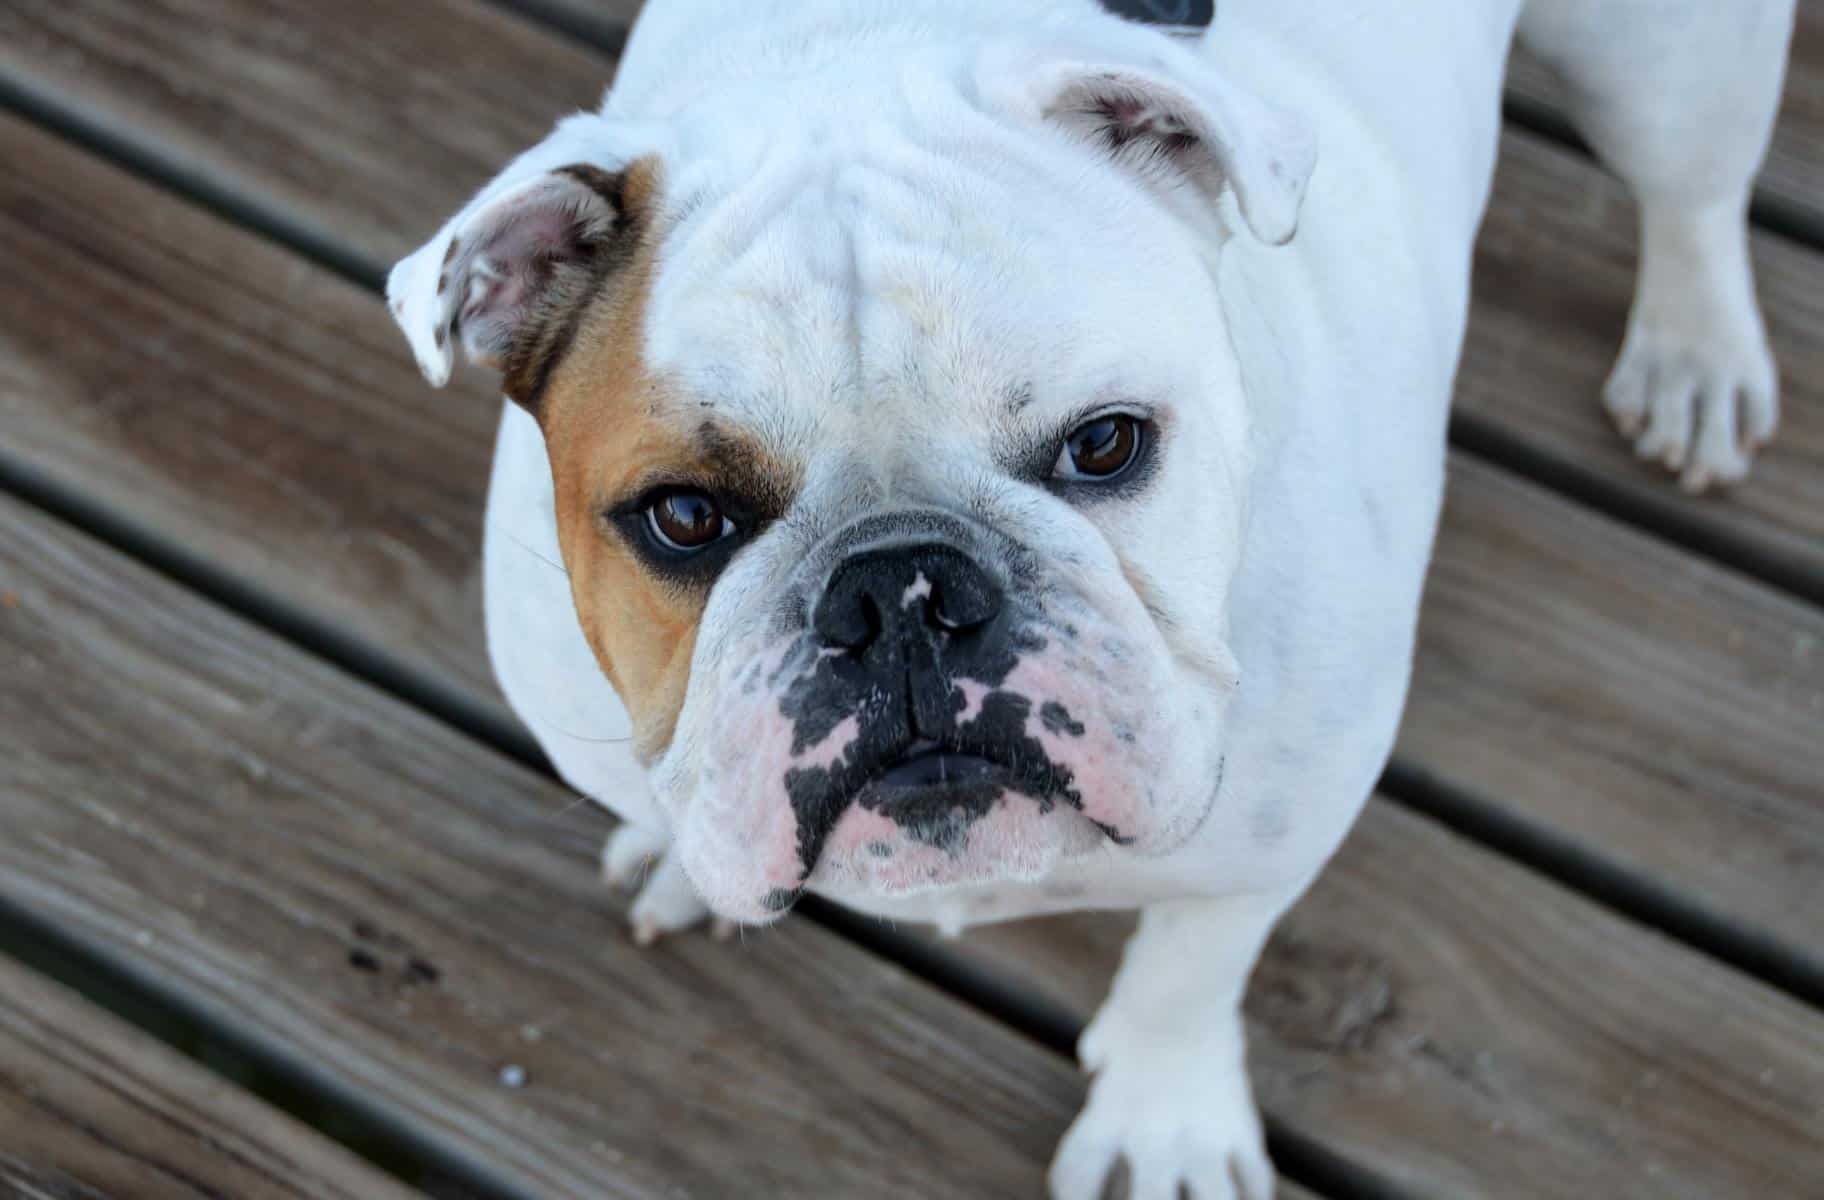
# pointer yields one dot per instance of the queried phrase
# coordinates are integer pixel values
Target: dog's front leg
(1170, 1093)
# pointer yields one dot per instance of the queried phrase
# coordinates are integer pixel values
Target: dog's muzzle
(909, 624)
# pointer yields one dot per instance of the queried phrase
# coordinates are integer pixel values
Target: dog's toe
(1725, 442)
(667, 903)
(1624, 397)
(1699, 411)
(629, 853)
(635, 857)
(1180, 1122)
(1667, 438)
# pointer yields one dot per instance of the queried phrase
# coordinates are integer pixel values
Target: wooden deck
(259, 798)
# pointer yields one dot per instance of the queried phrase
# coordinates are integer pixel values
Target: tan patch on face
(612, 429)
(600, 413)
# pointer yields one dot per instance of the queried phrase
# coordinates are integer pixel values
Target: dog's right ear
(504, 276)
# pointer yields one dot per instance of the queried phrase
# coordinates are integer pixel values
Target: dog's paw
(1183, 1122)
(1700, 402)
(639, 858)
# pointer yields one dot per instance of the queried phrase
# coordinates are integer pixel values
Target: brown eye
(1100, 449)
(687, 520)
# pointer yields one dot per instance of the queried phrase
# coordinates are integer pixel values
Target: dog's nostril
(962, 605)
(893, 591)
(870, 619)
(846, 619)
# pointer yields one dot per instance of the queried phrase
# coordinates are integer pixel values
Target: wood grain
(1628, 702)
(227, 398)
(90, 1108)
(357, 122)
(1458, 1027)
(358, 889)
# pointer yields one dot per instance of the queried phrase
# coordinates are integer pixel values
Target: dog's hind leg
(1679, 97)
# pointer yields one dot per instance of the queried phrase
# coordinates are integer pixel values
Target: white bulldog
(979, 459)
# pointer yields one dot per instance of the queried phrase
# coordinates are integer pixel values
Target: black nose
(929, 588)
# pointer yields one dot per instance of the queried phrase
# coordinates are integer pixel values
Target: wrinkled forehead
(919, 273)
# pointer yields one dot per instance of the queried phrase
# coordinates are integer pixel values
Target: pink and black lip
(929, 764)
(933, 791)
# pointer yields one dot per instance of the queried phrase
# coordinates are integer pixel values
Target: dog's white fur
(1307, 385)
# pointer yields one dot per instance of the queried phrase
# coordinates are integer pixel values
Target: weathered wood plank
(1792, 181)
(1459, 1027)
(358, 123)
(355, 887)
(90, 1108)
(1554, 278)
(1629, 701)
(227, 397)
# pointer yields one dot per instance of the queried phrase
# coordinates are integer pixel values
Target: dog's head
(900, 455)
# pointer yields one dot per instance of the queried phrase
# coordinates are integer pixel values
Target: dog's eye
(687, 520)
(1100, 449)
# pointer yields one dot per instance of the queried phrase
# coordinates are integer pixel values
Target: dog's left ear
(502, 269)
(1157, 107)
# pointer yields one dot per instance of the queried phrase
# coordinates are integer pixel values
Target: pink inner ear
(516, 260)
(1122, 117)
(507, 260)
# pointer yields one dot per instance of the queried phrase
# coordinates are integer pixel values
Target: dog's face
(900, 462)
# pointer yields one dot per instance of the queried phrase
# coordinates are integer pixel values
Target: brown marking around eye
(612, 428)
